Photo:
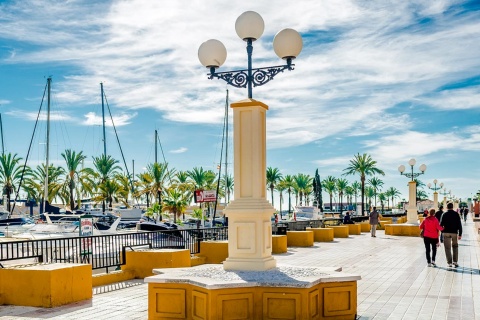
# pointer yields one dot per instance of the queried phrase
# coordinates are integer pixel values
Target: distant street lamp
(435, 193)
(444, 194)
(412, 213)
(249, 232)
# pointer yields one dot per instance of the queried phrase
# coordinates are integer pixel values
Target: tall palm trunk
(271, 191)
(331, 203)
(71, 187)
(363, 193)
(289, 200)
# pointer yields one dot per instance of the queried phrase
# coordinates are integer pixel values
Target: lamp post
(444, 194)
(435, 193)
(250, 230)
(412, 213)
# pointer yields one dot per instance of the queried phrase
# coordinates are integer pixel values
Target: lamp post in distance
(444, 193)
(435, 193)
(412, 213)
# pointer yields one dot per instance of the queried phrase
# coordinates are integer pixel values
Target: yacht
(67, 226)
(12, 226)
(133, 213)
(306, 213)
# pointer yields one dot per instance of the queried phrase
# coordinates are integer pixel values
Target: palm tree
(289, 182)
(349, 191)
(273, 177)
(10, 174)
(176, 203)
(106, 168)
(144, 186)
(72, 160)
(357, 187)
(35, 184)
(124, 188)
(281, 186)
(202, 180)
(341, 185)
(330, 186)
(393, 193)
(227, 184)
(160, 174)
(108, 192)
(376, 184)
(369, 193)
(363, 165)
(382, 197)
(198, 176)
(303, 183)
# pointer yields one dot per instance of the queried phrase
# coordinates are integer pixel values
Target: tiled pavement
(396, 282)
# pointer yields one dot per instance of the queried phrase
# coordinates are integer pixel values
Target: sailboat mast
(103, 121)
(156, 139)
(1, 133)
(47, 148)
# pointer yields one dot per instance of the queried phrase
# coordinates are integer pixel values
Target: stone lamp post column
(249, 224)
(412, 213)
(435, 193)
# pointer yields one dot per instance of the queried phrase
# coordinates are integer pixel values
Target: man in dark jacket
(452, 232)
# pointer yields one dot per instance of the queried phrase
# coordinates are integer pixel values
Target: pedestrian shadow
(465, 270)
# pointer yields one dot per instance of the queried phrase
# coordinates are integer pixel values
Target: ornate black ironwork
(435, 188)
(240, 79)
(412, 175)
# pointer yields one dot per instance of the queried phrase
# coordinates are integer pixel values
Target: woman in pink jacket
(431, 227)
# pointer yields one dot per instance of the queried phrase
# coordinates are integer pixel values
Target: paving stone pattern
(396, 282)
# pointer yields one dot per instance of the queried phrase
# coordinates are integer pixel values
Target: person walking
(438, 215)
(373, 218)
(465, 214)
(430, 227)
(452, 232)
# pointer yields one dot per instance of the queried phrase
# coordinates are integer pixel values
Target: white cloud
(54, 116)
(465, 98)
(179, 150)
(93, 119)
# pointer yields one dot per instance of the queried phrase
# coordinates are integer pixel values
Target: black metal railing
(106, 250)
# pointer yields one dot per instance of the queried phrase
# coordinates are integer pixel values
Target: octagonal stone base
(210, 292)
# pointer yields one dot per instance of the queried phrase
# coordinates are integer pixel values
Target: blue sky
(394, 79)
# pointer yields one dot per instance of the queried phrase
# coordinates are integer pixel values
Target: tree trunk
(362, 179)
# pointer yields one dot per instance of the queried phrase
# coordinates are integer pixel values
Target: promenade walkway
(396, 282)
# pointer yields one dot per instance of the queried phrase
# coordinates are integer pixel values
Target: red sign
(205, 196)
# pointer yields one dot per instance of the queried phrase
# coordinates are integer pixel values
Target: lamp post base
(412, 216)
(249, 235)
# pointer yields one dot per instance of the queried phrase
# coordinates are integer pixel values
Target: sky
(394, 79)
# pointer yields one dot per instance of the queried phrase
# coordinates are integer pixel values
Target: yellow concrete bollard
(340, 231)
(300, 238)
(322, 234)
(46, 285)
(365, 227)
(354, 228)
(279, 243)
(143, 262)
